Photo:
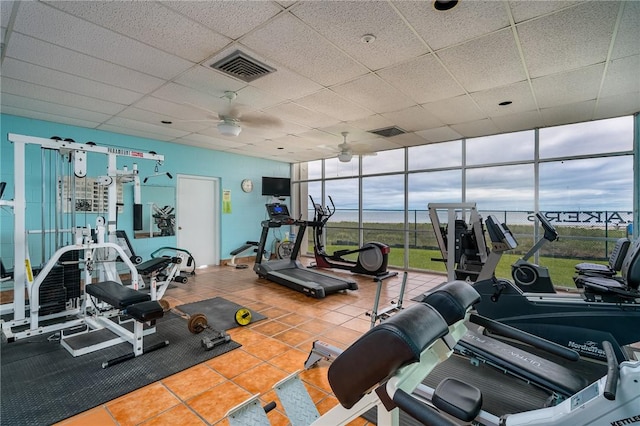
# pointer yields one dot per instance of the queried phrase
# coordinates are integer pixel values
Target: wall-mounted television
(275, 186)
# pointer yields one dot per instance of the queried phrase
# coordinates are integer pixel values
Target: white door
(197, 213)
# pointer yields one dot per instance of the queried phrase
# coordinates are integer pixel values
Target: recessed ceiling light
(368, 38)
(443, 5)
(505, 103)
(166, 122)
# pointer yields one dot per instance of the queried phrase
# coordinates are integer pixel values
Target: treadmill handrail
(523, 336)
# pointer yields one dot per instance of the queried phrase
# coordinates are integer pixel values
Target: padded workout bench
(111, 301)
(161, 271)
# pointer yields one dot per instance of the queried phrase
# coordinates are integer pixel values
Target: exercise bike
(373, 257)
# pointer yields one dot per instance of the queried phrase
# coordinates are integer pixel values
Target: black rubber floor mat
(43, 384)
(221, 313)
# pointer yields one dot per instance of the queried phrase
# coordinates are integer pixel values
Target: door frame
(215, 214)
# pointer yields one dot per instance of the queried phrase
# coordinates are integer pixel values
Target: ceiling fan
(347, 151)
(230, 121)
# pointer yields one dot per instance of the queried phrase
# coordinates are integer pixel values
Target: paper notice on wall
(226, 201)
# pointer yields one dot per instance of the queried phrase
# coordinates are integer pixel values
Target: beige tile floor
(271, 349)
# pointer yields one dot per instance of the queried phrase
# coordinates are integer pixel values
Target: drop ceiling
(126, 67)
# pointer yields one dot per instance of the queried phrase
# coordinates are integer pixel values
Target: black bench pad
(381, 351)
(153, 265)
(145, 311)
(116, 294)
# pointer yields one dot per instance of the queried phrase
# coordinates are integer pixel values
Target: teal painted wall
(241, 225)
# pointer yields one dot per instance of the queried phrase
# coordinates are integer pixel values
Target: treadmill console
(278, 212)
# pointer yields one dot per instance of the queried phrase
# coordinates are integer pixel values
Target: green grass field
(561, 270)
(576, 244)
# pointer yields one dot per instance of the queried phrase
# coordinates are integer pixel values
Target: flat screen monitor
(275, 186)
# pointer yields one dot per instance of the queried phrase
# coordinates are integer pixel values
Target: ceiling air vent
(387, 132)
(242, 66)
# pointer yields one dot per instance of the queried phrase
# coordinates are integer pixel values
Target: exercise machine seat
(381, 351)
(145, 311)
(115, 294)
(452, 300)
(627, 285)
(458, 398)
(616, 259)
(154, 265)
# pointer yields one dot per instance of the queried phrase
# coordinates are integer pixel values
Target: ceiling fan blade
(260, 120)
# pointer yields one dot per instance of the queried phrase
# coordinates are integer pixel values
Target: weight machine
(105, 302)
(463, 246)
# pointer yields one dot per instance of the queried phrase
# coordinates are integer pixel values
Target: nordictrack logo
(588, 347)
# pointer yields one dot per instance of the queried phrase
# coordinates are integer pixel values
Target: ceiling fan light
(229, 129)
(345, 157)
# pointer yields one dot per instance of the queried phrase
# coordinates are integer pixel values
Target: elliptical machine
(373, 257)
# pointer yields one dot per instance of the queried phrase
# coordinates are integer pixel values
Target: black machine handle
(499, 287)
(419, 411)
(613, 372)
(525, 337)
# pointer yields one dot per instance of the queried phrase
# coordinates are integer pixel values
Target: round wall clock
(247, 185)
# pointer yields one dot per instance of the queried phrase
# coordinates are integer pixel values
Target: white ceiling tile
(199, 101)
(618, 105)
(158, 129)
(476, 128)
(409, 139)
(298, 47)
(469, 19)
(5, 12)
(568, 113)
(286, 82)
(40, 21)
(125, 130)
(255, 98)
(150, 23)
(298, 114)
(47, 55)
(155, 118)
(231, 18)
(570, 87)
(519, 94)
(344, 24)
(211, 142)
(460, 109)
(373, 93)
(372, 122)
(413, 119)
(585, 31)
(525, 10)
(441, 134)
(486, 62)
(617, 81)
(329, 103)
(518, 121)
(423, 79)
(53, 108)
(628, 36)
(30, 113)
(207, 80)
(55, 96)
(51, 78)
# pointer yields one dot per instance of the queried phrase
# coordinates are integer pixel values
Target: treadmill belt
(328, 282)
(501, 393)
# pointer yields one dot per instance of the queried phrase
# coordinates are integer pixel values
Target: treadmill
(290, 272)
